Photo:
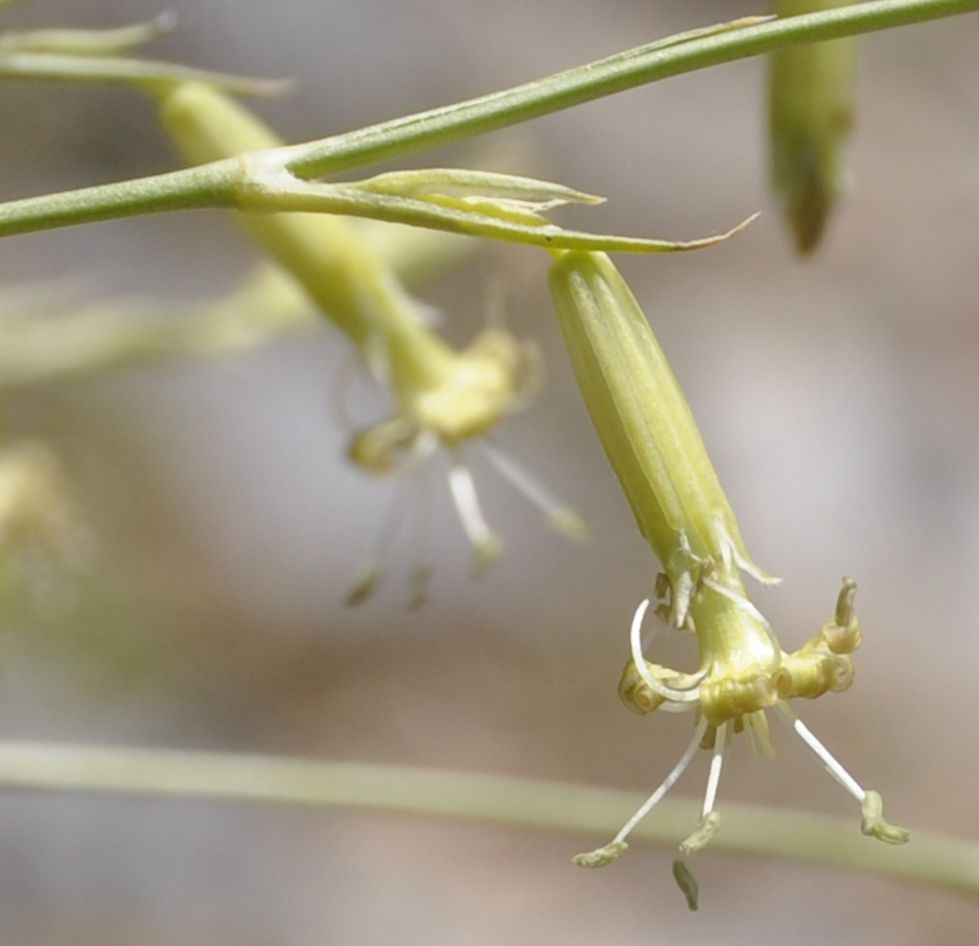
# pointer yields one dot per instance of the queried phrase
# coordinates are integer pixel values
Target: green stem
(639, 66)
(553, 806)
(211, 185)
(218, 185)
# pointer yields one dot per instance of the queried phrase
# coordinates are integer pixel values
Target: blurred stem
(228, 183)
(232, 777)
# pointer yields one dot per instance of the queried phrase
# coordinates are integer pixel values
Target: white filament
(529, 487)
(716, 763)
(828, 760)
(635, 642)
(463, 492)
(668, 782)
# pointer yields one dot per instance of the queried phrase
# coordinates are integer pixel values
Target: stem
(229, 777)
(211, 185)
(218, 185)
(617, 73)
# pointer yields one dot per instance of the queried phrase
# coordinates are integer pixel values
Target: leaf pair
(476, 203)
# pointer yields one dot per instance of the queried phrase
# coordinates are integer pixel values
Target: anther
(873, 824)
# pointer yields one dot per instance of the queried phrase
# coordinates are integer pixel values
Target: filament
(561, 516)
(394, 516)
(828, 760)
(716, 763)
(463, 491)
(635, 641)
(421, 571)
(668, 782)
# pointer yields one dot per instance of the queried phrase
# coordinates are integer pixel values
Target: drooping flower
(810, 103)
(444, 399)
(655, 448)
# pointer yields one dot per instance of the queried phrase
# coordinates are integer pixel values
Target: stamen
(658, 795)
(756, 726)
(484, 541)
(687, 883)
(364, 585)
(612, 851)
(873, 824)
(827, 759)
(373, 571)
(710, 820)
(561, 516)
(716, 763)
(635, 641)
(421, 571)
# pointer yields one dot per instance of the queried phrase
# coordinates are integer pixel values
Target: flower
(443, 397)
(451, 401)
(656, 450)
(810, 99)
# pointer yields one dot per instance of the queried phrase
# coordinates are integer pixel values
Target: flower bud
(810, 115)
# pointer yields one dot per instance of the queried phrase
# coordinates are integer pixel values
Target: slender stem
(553, 806)
(617, 73)
(210, 185)
(220, 184)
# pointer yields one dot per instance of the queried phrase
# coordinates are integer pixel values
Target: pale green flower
(810, 97)
(445, 399)
(656, 450)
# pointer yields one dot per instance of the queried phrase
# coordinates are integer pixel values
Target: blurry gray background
(839, 398)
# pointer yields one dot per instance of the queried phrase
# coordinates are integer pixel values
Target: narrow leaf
(24, 65)
(88, 42)
(456, 182)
